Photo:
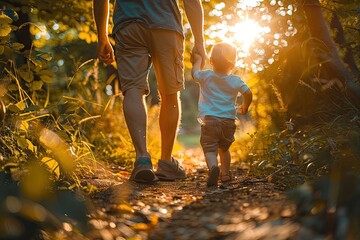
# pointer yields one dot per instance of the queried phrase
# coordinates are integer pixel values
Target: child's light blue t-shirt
(218, 93)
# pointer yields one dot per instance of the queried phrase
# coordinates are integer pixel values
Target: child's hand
(196, 61)
(243, 110)
(194, 58)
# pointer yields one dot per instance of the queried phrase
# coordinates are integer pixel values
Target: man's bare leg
(135, 113)
(169, 122)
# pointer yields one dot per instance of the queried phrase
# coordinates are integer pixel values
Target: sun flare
(245, 33)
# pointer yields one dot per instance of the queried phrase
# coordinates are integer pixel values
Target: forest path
(188, 209)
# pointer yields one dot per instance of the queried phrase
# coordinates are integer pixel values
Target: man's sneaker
(170, 171)
(143, 171)
(213, 176)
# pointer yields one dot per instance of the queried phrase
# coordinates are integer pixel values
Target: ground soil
(248, 208)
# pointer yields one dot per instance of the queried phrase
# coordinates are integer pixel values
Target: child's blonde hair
(223, 55)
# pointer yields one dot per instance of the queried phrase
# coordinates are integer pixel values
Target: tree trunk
(341, 41)
(334, 65)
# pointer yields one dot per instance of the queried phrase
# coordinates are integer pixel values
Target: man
(150, 32)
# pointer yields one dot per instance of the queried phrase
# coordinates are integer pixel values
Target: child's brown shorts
(217, 133)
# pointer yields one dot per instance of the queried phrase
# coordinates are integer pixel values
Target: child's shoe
(213, 176)
(226, 178)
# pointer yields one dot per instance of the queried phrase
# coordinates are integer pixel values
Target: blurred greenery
(190, 139)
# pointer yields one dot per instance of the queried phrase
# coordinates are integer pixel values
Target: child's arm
(196, 60)
(247, 99)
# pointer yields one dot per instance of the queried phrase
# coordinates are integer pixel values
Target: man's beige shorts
(137, 47)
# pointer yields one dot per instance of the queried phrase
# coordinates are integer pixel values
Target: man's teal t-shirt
(156, 14)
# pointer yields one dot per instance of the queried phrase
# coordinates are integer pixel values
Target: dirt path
(246, 209)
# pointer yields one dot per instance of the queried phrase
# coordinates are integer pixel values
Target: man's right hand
(105, 51)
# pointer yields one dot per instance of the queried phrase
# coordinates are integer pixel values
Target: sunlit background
(252, 27)
(259, 30)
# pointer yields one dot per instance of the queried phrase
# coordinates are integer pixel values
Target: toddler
(217, 112)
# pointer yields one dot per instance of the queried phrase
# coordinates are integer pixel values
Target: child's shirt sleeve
(198, 76)
(242, 86)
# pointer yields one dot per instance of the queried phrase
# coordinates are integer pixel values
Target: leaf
(17, 46)
(140, 226)
(4, 19)
(21, 105)
(154, 219)
(11, 13)
(36, 85)
(41, 56)
(93, 37)
(83, 35)
(46, 78)
(28, 76)
(23, 126)
(31, 146)
(12, 87)
(13, 108)
(21, 142)
(10, 165)
(90, 189)
(52, 164)
(2, 48)
(124, 208)
(17, 107)
(5, 30)
(86, 28)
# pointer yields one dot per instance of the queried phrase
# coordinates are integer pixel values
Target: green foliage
(79, 15)
(51, 118)
(53, 130)
(28, 217)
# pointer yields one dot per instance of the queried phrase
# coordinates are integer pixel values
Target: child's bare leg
(214, 170)
(225, 159)
(211, 159)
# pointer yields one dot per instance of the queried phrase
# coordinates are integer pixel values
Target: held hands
(105, 51)
(197, 62)
(198, 52)
(195, 58)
